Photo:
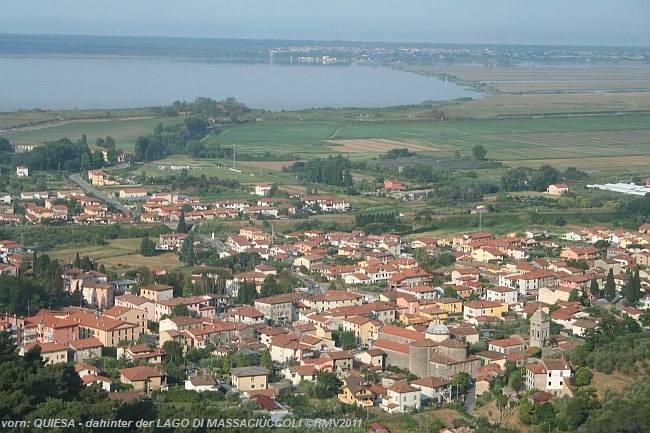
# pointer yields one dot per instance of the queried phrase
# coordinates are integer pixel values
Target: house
(277, 309)
(507, 345)
(557, 189)
(170, 241)
(550, 375)
(298, 373)
(85, 349)
(108, 331)
(133, 193)
(130, 315)
(157, 292)
(390, 185)
(245, 314)
(249, 378)
(356, 391)
(205, 382)
(484, 308)
(364, 329)
(51, 353)
(141, 353)
(143, 378)
(433, 389)
(263, 189)
(22, 171)
(400, 398)
(501, 294)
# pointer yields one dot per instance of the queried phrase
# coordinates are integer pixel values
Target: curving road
(100, 195)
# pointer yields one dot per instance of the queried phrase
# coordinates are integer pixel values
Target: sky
(541, 22)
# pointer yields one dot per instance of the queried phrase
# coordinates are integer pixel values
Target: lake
(68, 83)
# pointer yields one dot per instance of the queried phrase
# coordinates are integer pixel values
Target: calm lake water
(66, 83)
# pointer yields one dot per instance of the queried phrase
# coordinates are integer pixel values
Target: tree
(461, 380)
(180, 310)
(574, 295)
(629, 290)
(644, 318)
(347, 340)
(450, 292)
(186, 253)
(77, 261)
(147, 247)
(182, 225)
(246, 293)
(174, 351)
(636, 281)
(610, 286)
(543, 177)
(594, 289)
(583, 376)
(479, 152)
(86, 264)
(327, 385)
(266, 361)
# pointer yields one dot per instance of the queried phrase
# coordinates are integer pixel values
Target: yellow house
(450, 305)
(355, 391)
(249, 378)
(157, 292)
(484, 308)
(52, 353)
(485, 254)
(364, 329)
(129, 315)
(143, 378)
(106, 329)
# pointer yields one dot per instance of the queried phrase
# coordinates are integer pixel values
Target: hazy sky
(562, 22)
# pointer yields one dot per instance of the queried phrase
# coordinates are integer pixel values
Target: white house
(549, 375)
(400, 398)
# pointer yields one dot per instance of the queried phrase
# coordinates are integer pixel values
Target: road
(100, 195)
(470, 400)
(215, 243)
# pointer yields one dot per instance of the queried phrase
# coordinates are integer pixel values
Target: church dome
(437, 329)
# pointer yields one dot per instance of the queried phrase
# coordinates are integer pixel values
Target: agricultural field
(119, 255)
(22, 118)
(586, 142)
(247, 172)
(124, 131)
(530, 90)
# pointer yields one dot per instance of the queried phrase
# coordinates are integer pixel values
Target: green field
(558, 139)
(123, 131)
(119, 255)
(22, 118)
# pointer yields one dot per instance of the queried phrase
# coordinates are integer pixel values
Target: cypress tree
(637, 286)
(594, 289)
(610, 286)
(629, 290)
(77, 261)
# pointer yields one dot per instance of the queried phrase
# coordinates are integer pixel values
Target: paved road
(97, 193)
(470, 401)
(315, 287)
(215, 243)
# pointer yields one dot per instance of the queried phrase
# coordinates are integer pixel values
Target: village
(392, 331)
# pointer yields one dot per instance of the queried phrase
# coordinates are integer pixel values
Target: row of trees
(64, 155)
(331, 171)
(169, 140)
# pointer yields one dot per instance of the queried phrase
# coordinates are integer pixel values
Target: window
(549, 384)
